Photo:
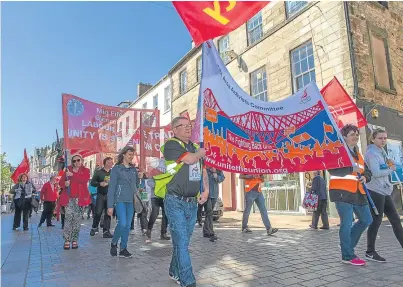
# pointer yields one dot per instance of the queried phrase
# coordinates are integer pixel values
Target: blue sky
(95, 50)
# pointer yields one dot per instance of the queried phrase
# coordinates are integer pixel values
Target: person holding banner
(121, 191)
(75, 197)
(346, 190)
(182, 188)
(254, 194)
(380, 189)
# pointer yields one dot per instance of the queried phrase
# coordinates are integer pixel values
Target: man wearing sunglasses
(182, 196)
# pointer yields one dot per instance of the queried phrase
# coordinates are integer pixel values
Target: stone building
(288, 44)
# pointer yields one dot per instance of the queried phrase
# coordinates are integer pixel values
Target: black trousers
(156, 204)
(101, 205)
(48, 207)
(143, 219)
(199, 212)
(385, 205)
(208, 228)
(21, 207)
(322, 212)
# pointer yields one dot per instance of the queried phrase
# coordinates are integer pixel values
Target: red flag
(342, 107)
(22, 168)
(206, 20)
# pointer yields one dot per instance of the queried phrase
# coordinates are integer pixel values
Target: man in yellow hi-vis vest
(182, 195)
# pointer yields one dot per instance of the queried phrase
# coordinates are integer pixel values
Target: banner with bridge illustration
(245, 135)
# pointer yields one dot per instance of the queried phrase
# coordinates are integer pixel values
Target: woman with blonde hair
(75, 197)
(23, 192)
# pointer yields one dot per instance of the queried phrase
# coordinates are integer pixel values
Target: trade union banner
(245, 135)
(91, 128)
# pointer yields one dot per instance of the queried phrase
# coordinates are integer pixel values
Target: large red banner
(23, 167)
(206, 20)
(342, 107)
(94, 128)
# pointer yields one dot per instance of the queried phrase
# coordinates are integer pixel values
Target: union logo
(75, 107)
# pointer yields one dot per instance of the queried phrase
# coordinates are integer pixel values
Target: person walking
(100, 181)
(347, 192)
(215, 177)
(182, 185)
(122, 187)
(23, 192)
(253, 194)
(75, 197)
(380, 189)
(156, 204)
(48, 197)
(319, 188)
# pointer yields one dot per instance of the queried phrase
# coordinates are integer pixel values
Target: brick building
(287, 45)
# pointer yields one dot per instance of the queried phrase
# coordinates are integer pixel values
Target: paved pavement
(293, 257)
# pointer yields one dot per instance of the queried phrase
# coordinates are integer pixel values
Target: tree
(5, 179)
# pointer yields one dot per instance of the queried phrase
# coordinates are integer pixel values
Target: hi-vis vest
(172, 168)
(251, 183)
(349, 182)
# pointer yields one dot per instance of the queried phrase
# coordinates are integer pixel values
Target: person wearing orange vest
(347, 192)
(253, 194)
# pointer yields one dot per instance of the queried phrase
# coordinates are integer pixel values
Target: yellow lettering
(216, 13)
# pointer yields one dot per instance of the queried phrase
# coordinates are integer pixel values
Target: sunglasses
(76, 160)
(186, 126)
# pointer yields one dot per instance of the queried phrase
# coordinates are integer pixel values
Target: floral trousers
(73, 213)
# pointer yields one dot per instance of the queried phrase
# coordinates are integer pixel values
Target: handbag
(310, 202)
(34, 202)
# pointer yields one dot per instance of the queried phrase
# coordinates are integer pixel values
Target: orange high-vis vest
(349, 182)
(251, 183)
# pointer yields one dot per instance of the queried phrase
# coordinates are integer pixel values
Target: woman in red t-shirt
(75, 197)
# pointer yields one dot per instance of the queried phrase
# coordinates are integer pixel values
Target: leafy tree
(5, 180)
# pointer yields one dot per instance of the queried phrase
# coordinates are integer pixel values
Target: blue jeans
(182, 219)
(350, 235)
(124, 214)
(251, 197)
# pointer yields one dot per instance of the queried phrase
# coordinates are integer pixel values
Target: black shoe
(52, 225)
(165, 237)
(39, 225)
(324, 227)
(213, 237)
(124, 253)
(114, 250)
(92, 232)
(107, 234)
(26, 229)
(206, 235)
(374, 256)
(246, 230)
(313, 227)
(271, 231)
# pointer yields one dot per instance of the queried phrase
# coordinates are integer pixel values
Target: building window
(155, 101)
(223, 46)
(145, 105)
(199, 68)
(183, 81)
(120, 126)
(381, 61)
(293, 7)
(383, 3)
(255, 29)
(258, 84)
(303, 66)
(127, 125)
(167, 99)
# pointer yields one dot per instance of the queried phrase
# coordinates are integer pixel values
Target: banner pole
(66, 169)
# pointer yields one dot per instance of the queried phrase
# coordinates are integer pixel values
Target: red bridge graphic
(267, 128)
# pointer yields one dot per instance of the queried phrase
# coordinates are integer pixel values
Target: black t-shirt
(181, 184)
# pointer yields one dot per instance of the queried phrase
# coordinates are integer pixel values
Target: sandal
(74, 245)
(66, 245)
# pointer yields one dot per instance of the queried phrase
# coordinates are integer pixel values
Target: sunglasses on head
(76, 160)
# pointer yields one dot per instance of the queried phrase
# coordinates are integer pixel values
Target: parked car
(218, 210)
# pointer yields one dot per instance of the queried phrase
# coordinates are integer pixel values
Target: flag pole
(66, 169)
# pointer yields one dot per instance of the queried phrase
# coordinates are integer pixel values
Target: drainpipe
(351, 48)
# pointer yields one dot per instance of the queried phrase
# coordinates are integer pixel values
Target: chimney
(142, 88)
